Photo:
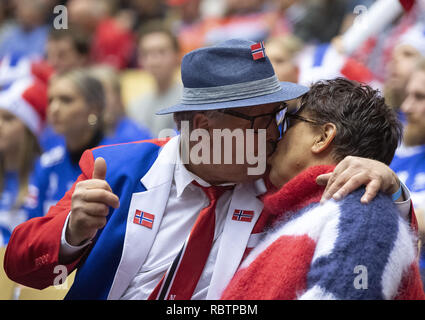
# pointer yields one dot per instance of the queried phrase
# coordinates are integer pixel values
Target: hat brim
(289, 91)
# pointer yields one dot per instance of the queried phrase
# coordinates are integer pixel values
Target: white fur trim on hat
(12, 101)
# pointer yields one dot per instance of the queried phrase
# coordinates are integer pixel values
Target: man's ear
(200, 121)
(324, 138)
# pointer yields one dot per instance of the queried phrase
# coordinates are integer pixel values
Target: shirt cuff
(67, 250)
(404, 206)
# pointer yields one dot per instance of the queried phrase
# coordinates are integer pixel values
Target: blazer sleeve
(33, 250)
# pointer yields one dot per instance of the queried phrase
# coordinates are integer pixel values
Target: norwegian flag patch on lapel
(243, 215)
(144, 219)
(258, 51)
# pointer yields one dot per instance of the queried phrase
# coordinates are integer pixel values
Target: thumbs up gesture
(90, 204)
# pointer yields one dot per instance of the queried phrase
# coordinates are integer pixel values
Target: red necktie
(181, 278)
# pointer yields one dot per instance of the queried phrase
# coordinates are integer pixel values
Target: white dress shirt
(184, 204)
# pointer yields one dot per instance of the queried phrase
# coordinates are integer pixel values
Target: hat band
(231, 92)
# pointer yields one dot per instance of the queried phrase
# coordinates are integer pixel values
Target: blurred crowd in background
(101, 78)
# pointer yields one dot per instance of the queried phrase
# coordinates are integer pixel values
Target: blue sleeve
(127, 131)
(38, 184)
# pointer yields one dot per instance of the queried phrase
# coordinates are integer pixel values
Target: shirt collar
(184, 177)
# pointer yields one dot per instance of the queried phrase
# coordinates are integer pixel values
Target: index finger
(95, 184)
(102, 196)
(331, 188)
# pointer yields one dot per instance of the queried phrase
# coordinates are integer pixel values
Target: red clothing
(113, 44)
(313, 251)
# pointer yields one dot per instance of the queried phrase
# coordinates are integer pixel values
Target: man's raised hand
(90, 204)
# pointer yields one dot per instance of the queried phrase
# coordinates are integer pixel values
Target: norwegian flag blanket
(338, 250)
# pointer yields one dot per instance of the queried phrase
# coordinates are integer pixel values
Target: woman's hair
(110, 79)
(109, 75)
(366, 126)
(30, 150)
(90, 88)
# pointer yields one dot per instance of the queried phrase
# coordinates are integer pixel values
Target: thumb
(99, 171)
(323, 179)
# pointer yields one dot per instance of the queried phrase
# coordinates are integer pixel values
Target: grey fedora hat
(233, 74)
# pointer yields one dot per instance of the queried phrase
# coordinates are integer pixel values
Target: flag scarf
(339, 250)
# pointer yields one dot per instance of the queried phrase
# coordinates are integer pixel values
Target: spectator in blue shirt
(409, 160)
(75, 111)
(22, 111)
(28, 38)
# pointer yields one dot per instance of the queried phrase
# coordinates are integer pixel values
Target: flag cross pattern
(258, 50)
(144, 219)
(243, 215)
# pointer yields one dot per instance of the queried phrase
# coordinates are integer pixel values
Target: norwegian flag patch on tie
(258, 51)
(243, 215)
(144, 219)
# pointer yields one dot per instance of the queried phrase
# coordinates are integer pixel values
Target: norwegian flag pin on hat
(258, 50)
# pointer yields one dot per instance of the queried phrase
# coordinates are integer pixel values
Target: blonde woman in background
(22, 112)
(75, 111)
(282, 51)
(118, 127)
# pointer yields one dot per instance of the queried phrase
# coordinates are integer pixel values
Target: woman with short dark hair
(335, 250)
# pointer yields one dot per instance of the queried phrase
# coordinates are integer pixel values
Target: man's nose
(273, 132)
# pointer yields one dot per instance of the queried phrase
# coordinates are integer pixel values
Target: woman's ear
(324, 138)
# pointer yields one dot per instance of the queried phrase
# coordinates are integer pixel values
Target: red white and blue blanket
(338, 250)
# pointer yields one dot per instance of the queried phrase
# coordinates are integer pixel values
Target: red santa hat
(27, 100)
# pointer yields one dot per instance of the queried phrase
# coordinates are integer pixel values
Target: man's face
(414, 108)
(30, 13)
(62, 56)
(158, 56)
(248, 156)
(401, 66)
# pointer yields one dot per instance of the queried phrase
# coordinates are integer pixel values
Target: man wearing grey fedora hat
(168, 218)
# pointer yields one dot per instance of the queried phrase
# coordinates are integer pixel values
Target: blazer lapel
(236, 234)
(140, 233)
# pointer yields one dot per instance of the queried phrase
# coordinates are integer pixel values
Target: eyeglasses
(286, 123)
(261, 121)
